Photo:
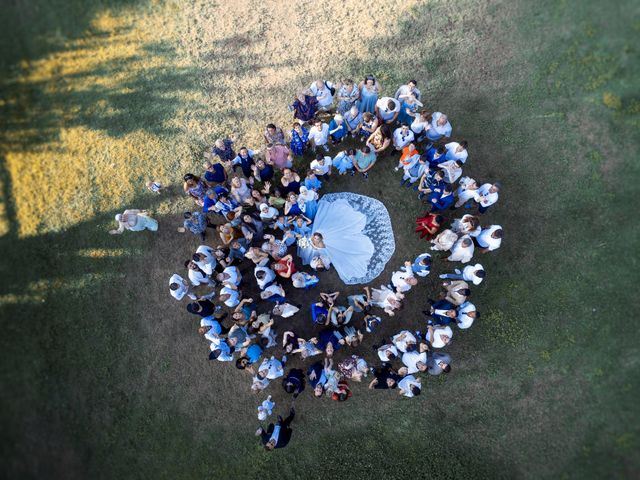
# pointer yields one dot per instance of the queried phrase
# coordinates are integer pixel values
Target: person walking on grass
(278, 435)
(135, 221)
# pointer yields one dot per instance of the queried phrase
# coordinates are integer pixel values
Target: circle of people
(266, 207)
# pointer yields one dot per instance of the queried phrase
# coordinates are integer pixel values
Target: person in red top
(429, 225)
(284, 267)
(342, 393)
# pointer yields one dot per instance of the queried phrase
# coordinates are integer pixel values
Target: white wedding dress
(357, 234)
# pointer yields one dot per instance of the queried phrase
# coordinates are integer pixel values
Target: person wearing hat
(135, 221)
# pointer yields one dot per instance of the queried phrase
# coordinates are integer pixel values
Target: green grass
(103, 375)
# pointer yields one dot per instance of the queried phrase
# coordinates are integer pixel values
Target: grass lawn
(103, 374)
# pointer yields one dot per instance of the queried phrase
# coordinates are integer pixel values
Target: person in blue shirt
(441, 200)
(214, 173)
(196, 223)
(337, 129)
(435, 156)
(422, 265)
(312, 182)
(302, 226)
(319, 314)
(249, 356)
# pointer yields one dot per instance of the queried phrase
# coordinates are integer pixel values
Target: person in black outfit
(294, 382)
(278, 435)
(385, 377)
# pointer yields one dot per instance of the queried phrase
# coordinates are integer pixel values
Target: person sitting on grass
(364, 161)
(134, 221)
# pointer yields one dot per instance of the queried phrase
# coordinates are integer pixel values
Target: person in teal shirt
(364, 161)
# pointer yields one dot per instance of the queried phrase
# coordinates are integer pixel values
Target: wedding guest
(299, 139)
(490, 238)
(422, 265)
(305, 106)
(487, 195)
(440, 127)
(348, 95)
(410, 88)
(323, 90)
(462, 250)
(467, 313)
(409, 386)
(457, 151)
(214, 173)
(319, 135)
(278, 435)
(438, 363)
(278, 155)
(353, 120)
(273, 135)
(369, 90)
(470, 273)
(364, 161)
(223, 148)
(387, 110)
(402, 137)
(179, 287)
(135, 221)
(245, 159)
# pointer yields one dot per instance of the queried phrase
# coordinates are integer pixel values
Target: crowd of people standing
(253, 208)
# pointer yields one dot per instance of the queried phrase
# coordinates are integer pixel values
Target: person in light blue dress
(369, 90)
(343, 161)
(311, 182)
(308, 201)
(408, 109)
(302, 226)
(348, 95)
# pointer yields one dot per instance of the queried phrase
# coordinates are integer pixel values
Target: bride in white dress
(353, 233)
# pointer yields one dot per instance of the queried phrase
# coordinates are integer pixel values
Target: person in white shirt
(197, 276)
(487, 196)
(467, 313)
(229, 296)
(321, 166)
(402, 137)
(467, 224)
(388, 352)
(409, 386)
(415, 361)
(438, 337)
(179, 287)
(205, 259)
(462, 250)
(387, 109)
(322, 91)
(470, 273)
(230, 277)
(220, 351)
(319, 135)
(452, 170)
(444, 241)
(264, 276)
(404, 341)
(457, 151)
(403, 279)
(440, 127)
(490, 238)
(421, 123)
(271, 368)
(467, 190)
(285, 310)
